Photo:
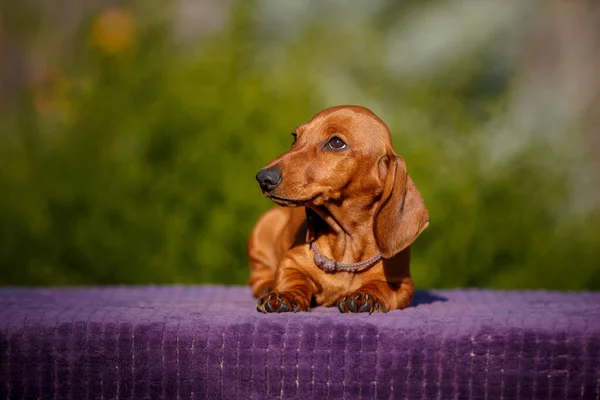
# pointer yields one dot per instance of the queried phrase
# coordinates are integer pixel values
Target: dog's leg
(262, 268)
(265, 249)
(378, 296)
(293, 291)
(262, 278)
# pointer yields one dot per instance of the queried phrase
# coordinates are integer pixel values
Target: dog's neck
(342, 236)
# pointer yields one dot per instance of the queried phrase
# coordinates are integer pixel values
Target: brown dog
(350, 214)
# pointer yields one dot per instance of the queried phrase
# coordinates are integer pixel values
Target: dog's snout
(268, 178)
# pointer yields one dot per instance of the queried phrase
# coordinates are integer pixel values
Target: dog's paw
(358, 302)
(278, 302)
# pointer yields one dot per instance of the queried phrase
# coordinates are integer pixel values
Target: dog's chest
(335, 285)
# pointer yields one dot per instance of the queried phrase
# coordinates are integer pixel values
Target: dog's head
(345, 152)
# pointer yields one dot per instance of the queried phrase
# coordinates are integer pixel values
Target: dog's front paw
(278, 302)
(359, 302)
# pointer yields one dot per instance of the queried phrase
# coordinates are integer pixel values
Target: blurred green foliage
(139, 165)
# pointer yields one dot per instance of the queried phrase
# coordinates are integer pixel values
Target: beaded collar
(329, 265)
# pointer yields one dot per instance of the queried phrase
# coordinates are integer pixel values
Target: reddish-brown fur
(353, 203)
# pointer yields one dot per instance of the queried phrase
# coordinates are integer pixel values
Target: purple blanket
(209, 342)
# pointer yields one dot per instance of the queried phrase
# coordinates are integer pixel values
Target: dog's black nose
(268, 178)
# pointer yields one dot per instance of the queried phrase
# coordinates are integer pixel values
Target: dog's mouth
(282, 201)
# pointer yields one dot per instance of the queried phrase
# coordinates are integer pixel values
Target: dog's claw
(259, 304)
(269, 307)
(351, 305)
(283, 308)
(366, 307)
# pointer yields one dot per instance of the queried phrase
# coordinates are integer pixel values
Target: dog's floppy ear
(402, 215)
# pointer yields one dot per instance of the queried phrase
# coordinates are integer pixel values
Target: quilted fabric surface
(209, 342)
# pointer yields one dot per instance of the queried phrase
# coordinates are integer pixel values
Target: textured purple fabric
(209, 342)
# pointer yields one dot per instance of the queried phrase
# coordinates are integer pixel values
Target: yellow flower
(113, 30)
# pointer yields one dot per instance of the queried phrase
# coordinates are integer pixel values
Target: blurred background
(131, 131)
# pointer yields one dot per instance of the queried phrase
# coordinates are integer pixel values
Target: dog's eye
(336, 144)
(295, 137)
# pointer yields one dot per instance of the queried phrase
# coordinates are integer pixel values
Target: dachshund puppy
(348, 212)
